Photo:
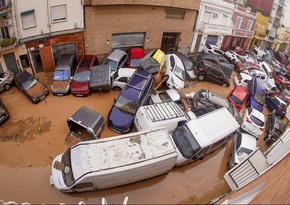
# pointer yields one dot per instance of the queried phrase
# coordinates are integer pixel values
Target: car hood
(120, 120)
(36, 90)
(60, 85)
(79, 87)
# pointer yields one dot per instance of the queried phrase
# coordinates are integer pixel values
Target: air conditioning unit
(7, 22)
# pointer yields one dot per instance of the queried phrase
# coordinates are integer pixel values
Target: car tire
(117, 88)
(201, 77)
(7, 86)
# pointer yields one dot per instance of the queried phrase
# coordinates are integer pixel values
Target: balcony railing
(7, 42)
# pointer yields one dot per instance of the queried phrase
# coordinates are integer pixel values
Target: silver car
(6, 80)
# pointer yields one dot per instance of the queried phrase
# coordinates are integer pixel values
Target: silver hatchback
(6, 80)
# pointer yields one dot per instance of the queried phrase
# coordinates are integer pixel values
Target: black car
(4, 114)
(205, 69)
(276, 106)
(30, 86)
(273, 129)
(221, 60)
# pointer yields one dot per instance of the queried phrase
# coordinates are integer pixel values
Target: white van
(168, 115)
(121, 77)
(113, 161)
(203, 135)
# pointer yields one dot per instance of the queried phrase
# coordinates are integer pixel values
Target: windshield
(30, 83)
(126, 105)
(185, 142)
(257, 121)
(259, 98)
(236, 100)
(135, 62)
(112, 64)
(165, 97)
(244, 150)
(67, 172)
(60, 75)
(179, 73)
(82, 76)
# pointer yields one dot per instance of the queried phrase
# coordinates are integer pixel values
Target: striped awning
(27, 12)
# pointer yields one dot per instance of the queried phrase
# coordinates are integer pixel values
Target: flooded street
(35, 134)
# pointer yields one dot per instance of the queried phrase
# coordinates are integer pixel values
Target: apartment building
(48, 29)
(151, 24)
(213, 24)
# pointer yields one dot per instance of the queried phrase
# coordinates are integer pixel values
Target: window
(174, 13)
(2, 3)
(239, 22)
(28, 19)
(4, 32)
(24, 60)
(214, 15)
(58, 13)
(249, 26)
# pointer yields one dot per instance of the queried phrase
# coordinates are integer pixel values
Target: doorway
(11, 63)
(36, 60)
(170, 42)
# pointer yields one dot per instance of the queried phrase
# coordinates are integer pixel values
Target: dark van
(135, 94)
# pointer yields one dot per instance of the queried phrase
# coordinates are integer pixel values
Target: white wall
(43, 19)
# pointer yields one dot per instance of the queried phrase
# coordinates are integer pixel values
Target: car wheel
(117, 88)
(7, 86)
(200, 77)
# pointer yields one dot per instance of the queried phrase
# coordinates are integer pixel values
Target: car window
(257, 121)
(172, 62)
(239, 140)
(82, 76)
(259, 98)
(123, 79)
(122, 60)
(236, 100)
(179, 73)
(164, 97)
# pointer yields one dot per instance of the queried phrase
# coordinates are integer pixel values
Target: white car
(121, 77)
(175, 72)
(270, 87)
(258, 73)
(168, 95)
(242, 79)
(253, 122)
(209, 48)
(243, 145)
(245, 57)
(232, 57)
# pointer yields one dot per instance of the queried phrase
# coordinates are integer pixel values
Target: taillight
(262, 129)
(248, 120)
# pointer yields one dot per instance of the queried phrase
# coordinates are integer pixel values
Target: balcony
(243, 33)
(205, 27)
(6, 42)
(261, 35)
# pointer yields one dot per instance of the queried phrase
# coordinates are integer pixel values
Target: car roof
(124, 72)
(23, 76)
(248, 141)
(137, 52)
(258, 114)
(116, 55)
(240, 92)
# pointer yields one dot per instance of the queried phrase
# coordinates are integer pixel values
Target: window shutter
(58, 13)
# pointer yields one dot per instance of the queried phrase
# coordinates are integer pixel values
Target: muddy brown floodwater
(35, 134)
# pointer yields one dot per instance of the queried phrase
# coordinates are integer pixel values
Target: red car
(135, 56)
(81, 80)
(246, 66)
(238, 97)
(281, 82)
(238, 50)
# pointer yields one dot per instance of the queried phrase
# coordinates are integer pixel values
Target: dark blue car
(276, 106)
(257, 94)
(136, 93)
